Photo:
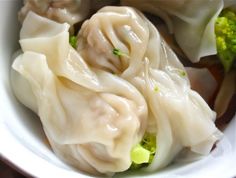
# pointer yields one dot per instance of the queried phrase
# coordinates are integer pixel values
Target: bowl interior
(25, 145)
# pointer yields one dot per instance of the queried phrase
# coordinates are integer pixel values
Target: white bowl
(23, 143)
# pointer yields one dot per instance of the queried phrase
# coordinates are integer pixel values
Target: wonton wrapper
(95, 106)
(178, 115)
(91, 118)
(191, 21)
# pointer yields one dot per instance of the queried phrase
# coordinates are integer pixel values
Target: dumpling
(70, 11)
(194, 31)
(91, 118)
(23, 90)
(96, 103)
(122, 41)
(125, 30)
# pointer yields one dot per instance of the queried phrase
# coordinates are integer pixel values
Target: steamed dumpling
(191, 21)
(23, 91)
(96, 103)
(114, 28)
(70, 11)
(91, 118)
(178, 115)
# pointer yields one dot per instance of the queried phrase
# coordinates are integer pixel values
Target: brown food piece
(223, 120)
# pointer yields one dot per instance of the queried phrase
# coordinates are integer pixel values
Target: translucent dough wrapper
(95, 106)
(177, 114)
(194, 31)
(69, 11)
(91, 117)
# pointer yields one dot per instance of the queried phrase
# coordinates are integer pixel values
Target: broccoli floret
(225, 29)
(73, 41)
(143, 153)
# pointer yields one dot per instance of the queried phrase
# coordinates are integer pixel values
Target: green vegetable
(225, 30)
(156, 89)
(73, 41)
(143, 153)
(182, 73)
(119, 53)
(140, 155)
